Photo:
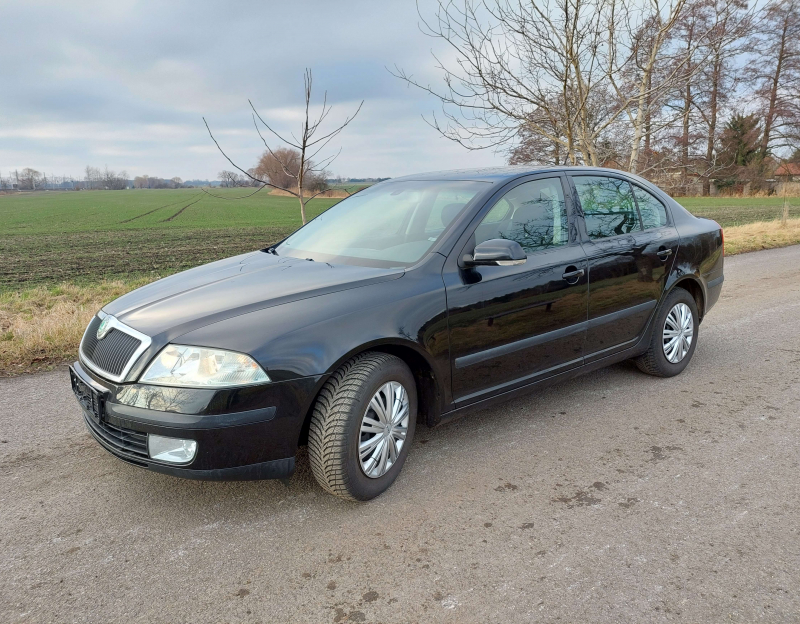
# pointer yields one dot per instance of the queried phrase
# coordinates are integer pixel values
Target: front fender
(314, 336)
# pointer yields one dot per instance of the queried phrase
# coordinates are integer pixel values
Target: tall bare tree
(649, 58)
(775, 74)
(718, 79)
(706, 83)
(312, 140)
(569, 71)
(530, 67)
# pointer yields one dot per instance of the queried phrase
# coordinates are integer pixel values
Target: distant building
(787, 172)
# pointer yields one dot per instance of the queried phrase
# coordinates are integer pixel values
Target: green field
(729, 211)
(51, 237)
(79, 237)
(92, 211)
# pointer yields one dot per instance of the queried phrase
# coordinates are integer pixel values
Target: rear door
(657, 243)
(627, 262)
(512, 324)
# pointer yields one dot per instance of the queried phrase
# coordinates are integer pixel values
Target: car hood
(183, 302)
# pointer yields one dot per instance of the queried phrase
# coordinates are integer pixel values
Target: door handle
(573, 275)
(664, 254)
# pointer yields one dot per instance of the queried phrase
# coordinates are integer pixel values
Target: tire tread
(649, 362)
(327, 435)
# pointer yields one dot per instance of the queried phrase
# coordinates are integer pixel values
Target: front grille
(113, 352)
(124, 440)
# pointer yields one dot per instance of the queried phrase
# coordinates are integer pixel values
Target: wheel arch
(429, 391)
(692, 284)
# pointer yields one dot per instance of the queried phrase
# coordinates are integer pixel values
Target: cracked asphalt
(615, 497)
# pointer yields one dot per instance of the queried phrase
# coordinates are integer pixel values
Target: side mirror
(495, 252)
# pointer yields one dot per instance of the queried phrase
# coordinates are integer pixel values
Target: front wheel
(674, 336)
(362, 426)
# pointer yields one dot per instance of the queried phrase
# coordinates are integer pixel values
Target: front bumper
(240, 435)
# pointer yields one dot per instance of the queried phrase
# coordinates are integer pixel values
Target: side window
(533, 214)
(653, 212)
(608, 206)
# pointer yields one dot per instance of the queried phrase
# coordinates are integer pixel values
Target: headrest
(530, 210)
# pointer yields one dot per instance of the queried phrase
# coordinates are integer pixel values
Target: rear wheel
(674, 337)
(362, 426)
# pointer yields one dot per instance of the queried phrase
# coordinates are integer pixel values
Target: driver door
(510, 325)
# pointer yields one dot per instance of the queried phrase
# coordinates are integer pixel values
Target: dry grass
(41, 327)
(791, 189)
(761, 235)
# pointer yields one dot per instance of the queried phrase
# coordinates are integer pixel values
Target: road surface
(612, 497)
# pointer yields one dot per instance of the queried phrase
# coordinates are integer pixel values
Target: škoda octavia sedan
(412, 302)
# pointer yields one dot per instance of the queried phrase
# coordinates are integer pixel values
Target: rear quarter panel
(700, 255)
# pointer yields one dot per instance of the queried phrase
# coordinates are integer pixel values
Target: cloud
(126, 84)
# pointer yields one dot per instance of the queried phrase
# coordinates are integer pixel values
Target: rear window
(652, 210)
(608, 206)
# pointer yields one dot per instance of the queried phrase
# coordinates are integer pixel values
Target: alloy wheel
(678, 333)
(383, 429)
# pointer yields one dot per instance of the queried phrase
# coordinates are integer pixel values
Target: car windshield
(392, 224)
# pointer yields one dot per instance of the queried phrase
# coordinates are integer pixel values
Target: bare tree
(718, 79)
(93, 177)
(775, 74)
(649, 57)
(281, 167)
(312, 140)
(113, 181)
(231, 179)
(580, 74)
(29, 179)
(521, 66)
(706, 83)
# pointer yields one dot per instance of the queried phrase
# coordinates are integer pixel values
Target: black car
(415, 300)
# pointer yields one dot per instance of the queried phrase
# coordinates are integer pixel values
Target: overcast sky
(125, 84)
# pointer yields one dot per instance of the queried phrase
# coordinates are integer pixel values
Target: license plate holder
(90, 399)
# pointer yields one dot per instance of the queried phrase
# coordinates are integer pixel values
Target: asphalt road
(613, 497)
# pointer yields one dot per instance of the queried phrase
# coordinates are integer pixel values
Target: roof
(499, 174)
(788, 169)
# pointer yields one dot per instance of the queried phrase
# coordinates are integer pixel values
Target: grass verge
(41, 325)
(761, 235)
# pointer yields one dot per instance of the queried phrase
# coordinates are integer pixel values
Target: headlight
(177, 365)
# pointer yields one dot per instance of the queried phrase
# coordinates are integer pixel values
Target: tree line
(105, 179)
(693, 94)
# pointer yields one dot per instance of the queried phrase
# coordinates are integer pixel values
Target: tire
(335, 433)
(654, 361)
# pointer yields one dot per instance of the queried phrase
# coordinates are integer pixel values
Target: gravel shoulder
(612, 497)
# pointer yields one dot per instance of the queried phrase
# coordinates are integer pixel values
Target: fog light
(172, 450)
